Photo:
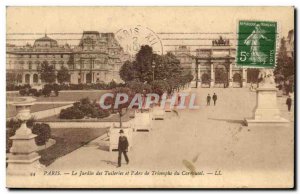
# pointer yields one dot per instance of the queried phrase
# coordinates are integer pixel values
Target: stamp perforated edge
(277, 44)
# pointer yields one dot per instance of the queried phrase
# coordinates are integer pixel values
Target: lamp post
(153, 66)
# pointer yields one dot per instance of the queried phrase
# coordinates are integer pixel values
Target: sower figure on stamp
(215, 99)
(289, 103)
(208, 99)
(122, 148)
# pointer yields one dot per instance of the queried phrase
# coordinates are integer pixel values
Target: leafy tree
(149, 67)
(139, 87)
(127, 71)
(160, 86)
(285, 64)
(121, 108)
(47, 73)
(11, 78)
(63, 75)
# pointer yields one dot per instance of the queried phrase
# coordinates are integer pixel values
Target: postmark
(256, 44)
(131, 38)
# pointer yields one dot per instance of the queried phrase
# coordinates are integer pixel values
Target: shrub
(103, 113)
(56, 92)
(32, 91)
(13, 124)
(38, 93)
(43, 133)
(23, 92)
(84, 108)
(71, 113)
(47, 90)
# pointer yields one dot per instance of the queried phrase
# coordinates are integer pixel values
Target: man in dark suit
(122, 147)
(208, 100)
(289, 103)
(215, 98)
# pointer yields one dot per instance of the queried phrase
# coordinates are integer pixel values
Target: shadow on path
(242, 122)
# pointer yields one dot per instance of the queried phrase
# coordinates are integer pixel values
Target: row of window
(38, 56)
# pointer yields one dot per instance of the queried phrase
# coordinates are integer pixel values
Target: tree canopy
(63, 75)
(152, 68)
(285, 64)
(47, 73)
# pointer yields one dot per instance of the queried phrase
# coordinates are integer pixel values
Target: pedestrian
(122, 148)
(289, 103)
(208, 100)
(215, 99)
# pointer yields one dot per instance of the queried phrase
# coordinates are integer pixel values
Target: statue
(267, 77)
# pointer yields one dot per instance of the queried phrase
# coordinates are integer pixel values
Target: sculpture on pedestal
(267, 76)
(266, 110)
(23, 158)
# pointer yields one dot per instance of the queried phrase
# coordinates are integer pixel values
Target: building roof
(45, 41)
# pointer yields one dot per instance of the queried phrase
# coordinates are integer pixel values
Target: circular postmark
(132, 38)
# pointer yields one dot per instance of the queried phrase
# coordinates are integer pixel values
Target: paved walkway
(211, 138)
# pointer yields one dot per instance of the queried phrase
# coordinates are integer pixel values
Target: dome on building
(45, 42)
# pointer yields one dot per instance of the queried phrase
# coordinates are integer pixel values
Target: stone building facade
(97, 58)
(213, 66)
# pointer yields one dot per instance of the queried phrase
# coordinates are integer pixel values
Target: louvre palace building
(97, 58)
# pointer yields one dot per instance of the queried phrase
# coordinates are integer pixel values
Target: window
(61, 56)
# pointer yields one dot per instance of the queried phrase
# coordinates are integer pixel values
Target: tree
(47, 73)
(285, 64)
(121, 108)
(11, 78)
(127, 71)
(63, 75)
(160, 86)
(149, 67)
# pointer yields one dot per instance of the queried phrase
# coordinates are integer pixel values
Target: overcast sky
(201, 20)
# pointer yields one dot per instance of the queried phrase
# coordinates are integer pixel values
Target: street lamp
(153, 66)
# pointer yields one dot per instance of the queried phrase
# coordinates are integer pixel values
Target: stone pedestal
(266, 110)
(142, 121)
(23, 158)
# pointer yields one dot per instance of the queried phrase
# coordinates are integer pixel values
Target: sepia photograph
(150, 97)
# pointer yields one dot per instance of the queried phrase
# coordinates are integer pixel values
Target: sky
(195, 26)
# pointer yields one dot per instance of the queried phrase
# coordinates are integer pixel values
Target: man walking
(122, 147)
(215, 99)
(208, 100)
(289, 103)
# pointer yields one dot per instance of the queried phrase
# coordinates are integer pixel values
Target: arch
(237, 77)
(35, 78)
(205, 78)
(237, 80)
(27, 78)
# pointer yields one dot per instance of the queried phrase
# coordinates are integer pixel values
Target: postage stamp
(256, 44)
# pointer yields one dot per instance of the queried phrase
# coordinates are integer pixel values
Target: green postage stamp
(256, 44)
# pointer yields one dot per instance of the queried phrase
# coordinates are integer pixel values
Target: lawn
(11, 110)
(68, 140)
(67, 95)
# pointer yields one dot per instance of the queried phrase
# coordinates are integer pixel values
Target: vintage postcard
(150, 97)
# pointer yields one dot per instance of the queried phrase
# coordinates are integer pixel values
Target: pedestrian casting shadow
(110, 163)
(242, 122)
